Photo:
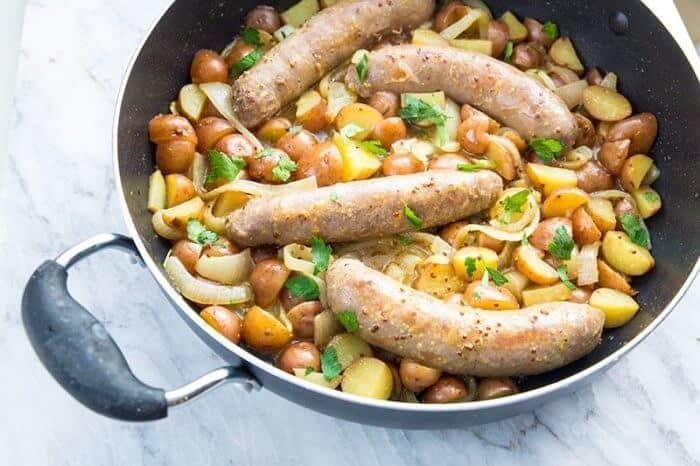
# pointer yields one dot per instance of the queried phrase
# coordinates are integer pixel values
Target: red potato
(544, 233)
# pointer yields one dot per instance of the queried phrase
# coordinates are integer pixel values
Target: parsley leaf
(308, 370)
(330, 366)
(546, 148)
(268, 151)
(470, 265)
(350, 130)
(514, 204)
(476, 165)
(508, 52)
(498, 278)
(411, 216)
(650, 196)
(635, 229)
(223, 166)
(302, 286)
(334, 196)
(245, 63)
(374, 147)
(296, 129)
(349, 320)
(320, 254)
(562, 244)
(524, 241)
(551, 30)
(199, 234)
(415, 110)
(251, 36)
(283, 171)
(362, 68)
(405, 240)
(561, 270)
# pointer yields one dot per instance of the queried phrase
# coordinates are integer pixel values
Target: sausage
(494, 87)
(363, 209)
(459, 339)
(325, 41)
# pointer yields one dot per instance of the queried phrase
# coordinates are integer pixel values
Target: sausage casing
(459, 339)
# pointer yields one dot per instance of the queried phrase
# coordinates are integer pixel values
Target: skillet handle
(81, 355)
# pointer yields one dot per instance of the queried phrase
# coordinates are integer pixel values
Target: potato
(299, 355)
(605, 104)
(312, 111)
(545, 231)
(165, 128)
(368, 377)
(625, 256)
(318, 378)
(274, 129)
(295, 145)
(602, 213)
(229, 201)
(436, 99)
(416, 377)
(339, 96)
(300, 12)
(609, 278)
(428, 37)
(648, 201)
(263, 332)
(618, 307)
(517, 32)
(585, 230)
(224, 321)
(267, 279)
(303, 316)
(528, 261)
(349, 348)
(361, 115)
(264, 18)
(358, 164)
(513, 136)
(208, 67)
(175, 156)
(485, 241)
(613, 154)
(545, 294)
(547, 179)
(157, 192)
(490, 297)
(492, 388)
(178, 216)
(482, 257)
(190, 101)
(474, 45)
(634, 170)
(499, 151)
(516, 283)
(586, 132)
(438, 279)
(562, 202)
(593, 177)
(448, 389)
(210, 130)
(563, 53)
(640, 129)
(326, 326)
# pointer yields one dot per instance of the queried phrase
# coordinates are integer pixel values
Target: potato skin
(207, 67)
(224, 321)
(613, 154)
(544, 233)
(299, 356)
(267, 279)
(448, 389)
(592, 177)
(322, 161)
(263, 332)
(174, 156)
(416, 377)
(584, 228)
(302, 318)
(263, 17)
(640, 129)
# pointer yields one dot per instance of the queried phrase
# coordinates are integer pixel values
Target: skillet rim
(533, 397)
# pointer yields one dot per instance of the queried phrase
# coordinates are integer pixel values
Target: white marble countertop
(59, 188)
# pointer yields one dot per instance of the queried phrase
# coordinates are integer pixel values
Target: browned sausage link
(494, 87)
(459, 339)
(322, 43)
(364, 209)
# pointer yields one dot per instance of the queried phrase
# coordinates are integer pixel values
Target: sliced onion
(499, 234)
(436, 244)
(297, 258)
(565, 74)
(212, 222)
(575, 158)
(465, 22)
(505, 258)
(480, 5)
(199, 169)
(202, 292)
(221, 96)
(611, 194)
(543, 78)
(610, 81)
(164, 230)
(525, 218)
(229, 270)
(586, 264)
(263, 190)
(572, 94)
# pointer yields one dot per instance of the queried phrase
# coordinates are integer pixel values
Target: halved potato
(318, 378)
(602, 213)
(547, 179)
(545, 294)
(516, 283)
(368, 377)
(178, 216)
(610, 278)
(517, 32)
(361, 115)
(563, 53)
(191, 101)
(438, 279)
(648, 201)
(178, 189)
(617, 306)
(312, 111)
(605, 104)
(529, 262)
(229, 201)
(584, 228)
(349, 348)
(474, 45)
(634, 170)
(499, 150)
(482, 257)
(300, 12)
(435, 99)
(358, 164)
(156, 192)
(562, 202)
(339, 96)
(625, 256)
(428, 37)
(263, 332)
(490, 297)
(326, 326)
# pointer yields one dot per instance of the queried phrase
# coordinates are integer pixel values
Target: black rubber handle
(79, 352)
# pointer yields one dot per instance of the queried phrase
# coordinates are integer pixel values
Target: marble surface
(59, 188)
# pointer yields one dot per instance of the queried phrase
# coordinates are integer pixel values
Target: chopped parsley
(524, 241)
(547, 149)
(349, 320)
(320, 254)
(334, 196)
(223, 166)
(562, 244)
(374, 147)
(350, 130)
(498, 278)
(268, 151)
(245, 63)
(362, 68)
(508, 52)
(415, 110)
(412, 217)
(404, 240)
(635, 229)
(330, 366)
(476, 165)
(561, 270)
(513, 204)
(551, 30)
(199, 234)
(283, 171)
(308, 370)
(302, 286)
(650, 196)
(470, 265)
(296, 129)
(251, 36)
